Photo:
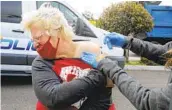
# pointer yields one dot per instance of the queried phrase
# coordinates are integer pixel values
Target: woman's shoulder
(87, 47)
(39, 62)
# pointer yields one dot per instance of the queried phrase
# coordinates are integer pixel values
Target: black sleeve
(54, 94)
(141, 97)
(149, 50)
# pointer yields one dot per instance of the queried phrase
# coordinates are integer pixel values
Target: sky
(94, 6)
(97, 6)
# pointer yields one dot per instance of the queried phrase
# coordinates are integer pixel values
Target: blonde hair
(50, 19)
(168, 56)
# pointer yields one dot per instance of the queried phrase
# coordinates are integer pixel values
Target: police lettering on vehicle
(14, 44)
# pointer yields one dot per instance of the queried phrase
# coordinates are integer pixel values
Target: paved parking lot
(17, 93)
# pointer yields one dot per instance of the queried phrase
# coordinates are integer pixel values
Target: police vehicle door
(14, 43)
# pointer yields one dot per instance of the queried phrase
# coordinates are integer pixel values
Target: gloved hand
(115, 39)
(89, 58)
(109, 68)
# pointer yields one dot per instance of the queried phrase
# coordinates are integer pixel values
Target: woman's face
(39, 36)
(44, 44)
(57, 47)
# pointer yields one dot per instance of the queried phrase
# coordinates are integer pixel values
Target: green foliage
(126, 18)
(93, 22)
(148, 62)
(135, 63)
(143, 61)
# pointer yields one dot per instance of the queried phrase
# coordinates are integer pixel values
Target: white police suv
(17, 51)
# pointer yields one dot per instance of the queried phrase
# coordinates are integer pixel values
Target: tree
(88, 15)
(127, 18)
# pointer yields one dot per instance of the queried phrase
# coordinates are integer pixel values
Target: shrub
(126, 18)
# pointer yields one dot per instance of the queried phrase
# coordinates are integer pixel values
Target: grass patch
(135, 63)
(148, 62)
(143, 61)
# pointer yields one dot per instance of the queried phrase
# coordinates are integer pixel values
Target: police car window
(69, 15)
(54, 4)
(11, 11)
(71, 18)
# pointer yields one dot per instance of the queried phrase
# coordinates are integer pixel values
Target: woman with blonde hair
(59, 63)
(141, 97)
(168, 57)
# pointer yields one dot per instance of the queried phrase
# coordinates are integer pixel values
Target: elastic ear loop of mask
(57, 44)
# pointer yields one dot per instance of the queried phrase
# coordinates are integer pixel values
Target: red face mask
(47, 51)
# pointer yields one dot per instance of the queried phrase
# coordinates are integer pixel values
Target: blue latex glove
(89, 58)
(114, 39)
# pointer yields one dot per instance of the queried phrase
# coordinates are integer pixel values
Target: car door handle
(18, 30)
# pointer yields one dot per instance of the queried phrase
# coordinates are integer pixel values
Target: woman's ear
(52, 32)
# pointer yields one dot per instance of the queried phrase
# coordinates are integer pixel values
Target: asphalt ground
(17, 92)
